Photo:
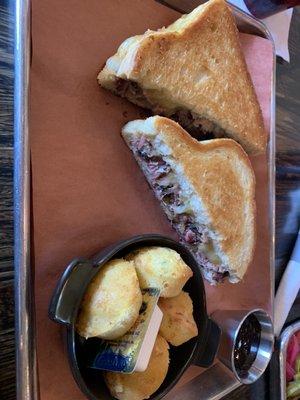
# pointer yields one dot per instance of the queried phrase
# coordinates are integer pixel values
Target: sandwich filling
(199, 127)
(132, 91)
(179, 203)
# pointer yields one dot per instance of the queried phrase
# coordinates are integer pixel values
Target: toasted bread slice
(194, 72)
(206, 189)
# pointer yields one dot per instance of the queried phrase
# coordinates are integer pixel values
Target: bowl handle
(70, 290)
(205, 358)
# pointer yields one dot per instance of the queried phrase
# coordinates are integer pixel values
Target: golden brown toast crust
(198, 65)
(221, 174)
(222, 177)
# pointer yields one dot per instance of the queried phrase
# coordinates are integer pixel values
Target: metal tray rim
(26, 368)
(26, 365)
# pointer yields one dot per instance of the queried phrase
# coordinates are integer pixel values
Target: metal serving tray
(212, 384)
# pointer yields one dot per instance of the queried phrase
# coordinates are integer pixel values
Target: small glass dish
(283, 345)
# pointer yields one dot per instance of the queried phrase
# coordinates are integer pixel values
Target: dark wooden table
(287, 192)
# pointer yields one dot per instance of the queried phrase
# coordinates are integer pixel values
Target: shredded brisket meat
(160, 176)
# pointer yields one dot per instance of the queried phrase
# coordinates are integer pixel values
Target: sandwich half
(205, 188)
(194, 72)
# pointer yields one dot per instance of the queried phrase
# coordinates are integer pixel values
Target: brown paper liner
(88, 191)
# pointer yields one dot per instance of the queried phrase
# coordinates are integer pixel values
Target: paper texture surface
(87, 190)
(279, 27)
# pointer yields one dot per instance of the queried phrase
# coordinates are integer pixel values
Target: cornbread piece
(178, 324)
(141, 385)
(161, 268)
(111, 303)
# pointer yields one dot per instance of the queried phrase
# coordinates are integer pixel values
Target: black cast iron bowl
(67, 297)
